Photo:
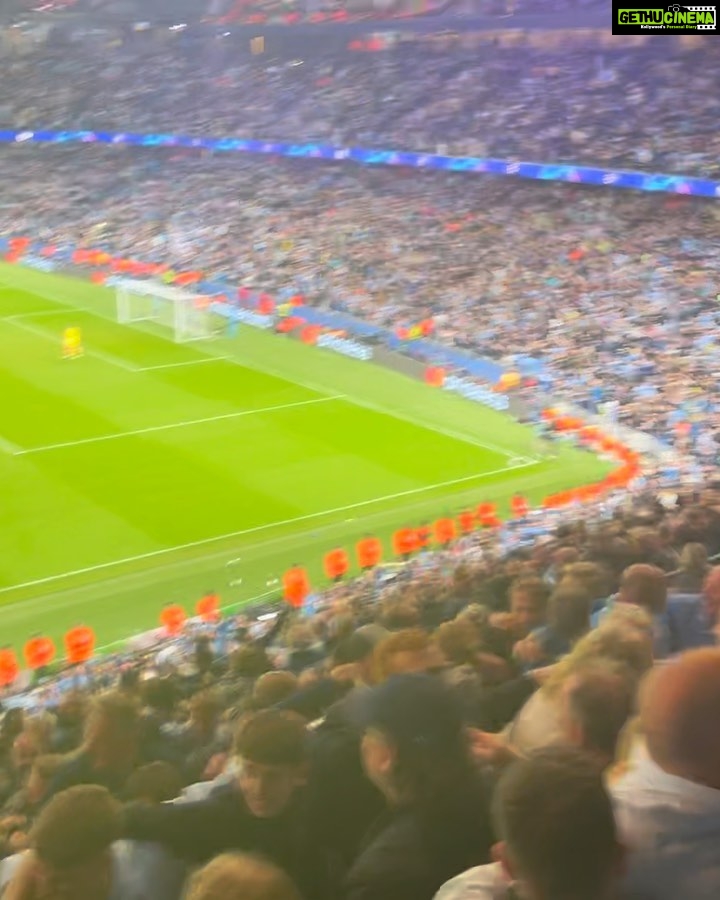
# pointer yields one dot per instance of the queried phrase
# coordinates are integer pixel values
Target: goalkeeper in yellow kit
(72, 345)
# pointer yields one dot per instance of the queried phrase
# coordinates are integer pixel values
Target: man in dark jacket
(264, 811)
(415, 750)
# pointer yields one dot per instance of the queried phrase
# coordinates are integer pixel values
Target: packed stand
(621, 309)
(381, 747)
(649, 108)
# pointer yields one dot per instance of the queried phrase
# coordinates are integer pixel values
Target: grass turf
(147, 472)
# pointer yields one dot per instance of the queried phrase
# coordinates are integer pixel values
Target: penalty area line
(256, 529)
(8, 447)
(47, 336)
(151, 429)
(179, 365)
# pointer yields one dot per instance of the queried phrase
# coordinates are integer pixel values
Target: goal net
(185, 314)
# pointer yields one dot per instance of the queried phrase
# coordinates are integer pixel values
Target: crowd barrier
(614, 178)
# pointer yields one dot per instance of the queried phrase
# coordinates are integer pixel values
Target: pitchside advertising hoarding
(665, 18)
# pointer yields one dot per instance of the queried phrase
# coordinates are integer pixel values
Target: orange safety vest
(404, 542)
(423, 535)
(369, 552)
(520, 506)
(9, 668)
(336, 564)
(39, 652)
(79, 644)
(296, 586)
(172, 618)
(487, 514)
(467, 521)
(445, 531)
(208, 607)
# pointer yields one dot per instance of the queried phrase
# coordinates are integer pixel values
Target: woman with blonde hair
(240, 876)
(625, 636)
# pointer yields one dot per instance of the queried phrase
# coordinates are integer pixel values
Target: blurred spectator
(598, 701)
(272, 688)
(569, 610)
(668, 805)
(694, 569)
(415, 751)
(241, 877)
(70, 721)
(72, 852)
(110, 747)
(262, 811)
(577, 103)
(645, 586)
(528, 599)
(558, 835)
(156, 782)
(623, 637)
(711, 598)
(405, 652)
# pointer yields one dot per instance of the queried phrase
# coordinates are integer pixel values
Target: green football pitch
(149, 471)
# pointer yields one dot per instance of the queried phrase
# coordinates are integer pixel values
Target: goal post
(185, 314)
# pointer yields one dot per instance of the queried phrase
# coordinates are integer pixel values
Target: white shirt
(480, 883)
(671, 828)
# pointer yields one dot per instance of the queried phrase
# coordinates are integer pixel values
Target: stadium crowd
(647, 108)
(616, 294)
(531, 712)
(552, 709)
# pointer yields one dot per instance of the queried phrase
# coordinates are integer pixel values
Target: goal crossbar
(185, 313)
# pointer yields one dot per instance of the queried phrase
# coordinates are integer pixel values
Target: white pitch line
(45, 312)
(8, 447)
(313, 386)
(68, 598)
(105, 357)
(41, 332)
(151, 429)
(204, 542)
(383, 410)
(178, 365)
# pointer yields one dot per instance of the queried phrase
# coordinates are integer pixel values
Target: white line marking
(105, 357)
(375, 407)
(66, 598)
(8, 447)
(151, 429)
(45, 312)
(259, 528)
(350, 398)
(178, 365)
(41, 332)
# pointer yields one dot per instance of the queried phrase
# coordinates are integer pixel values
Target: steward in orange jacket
(79, 644)
(368, 552)
(9, 668)
(405, 542)
(445, 531)
(296, 586)
(467, 521)
(39, 652)
(336, 564)
(208, 607)
(173, 618)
